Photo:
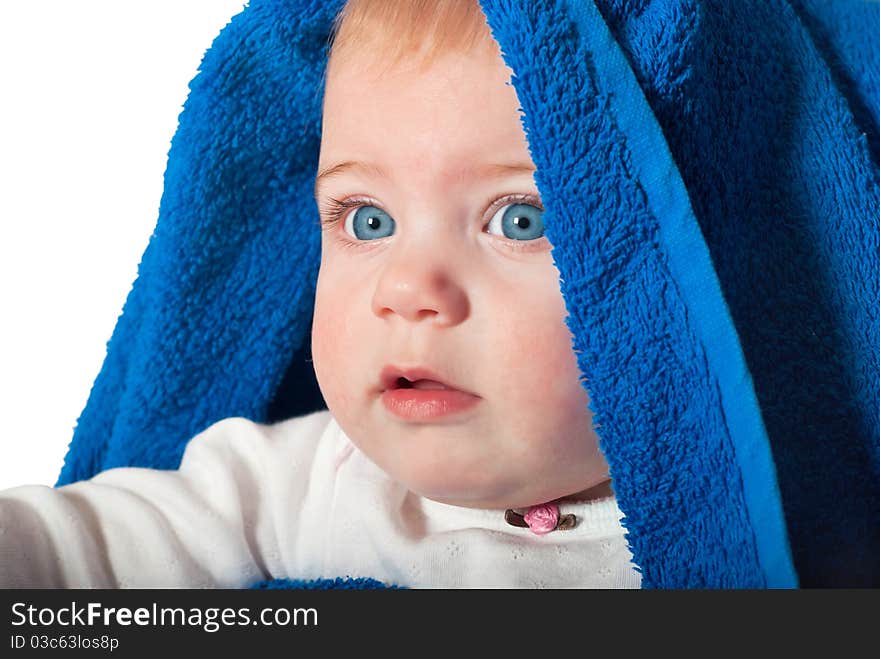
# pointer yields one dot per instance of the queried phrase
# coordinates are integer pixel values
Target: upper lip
(391, 374)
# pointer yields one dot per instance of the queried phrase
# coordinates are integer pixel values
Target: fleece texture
(709, 172)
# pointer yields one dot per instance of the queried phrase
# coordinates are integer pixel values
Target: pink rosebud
(542, 518)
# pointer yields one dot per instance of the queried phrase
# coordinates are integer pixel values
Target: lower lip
(427, 404)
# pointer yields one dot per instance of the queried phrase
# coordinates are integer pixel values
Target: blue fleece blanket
(709, 170)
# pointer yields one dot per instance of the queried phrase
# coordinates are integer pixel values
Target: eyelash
(335, 211)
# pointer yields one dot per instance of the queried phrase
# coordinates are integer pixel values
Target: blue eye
(369, 223)
(518, 222)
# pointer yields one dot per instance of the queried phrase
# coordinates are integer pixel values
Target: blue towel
(709, 170)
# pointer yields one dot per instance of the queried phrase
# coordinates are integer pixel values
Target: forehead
(461, 104)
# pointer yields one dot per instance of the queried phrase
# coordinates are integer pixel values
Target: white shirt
(294, 500)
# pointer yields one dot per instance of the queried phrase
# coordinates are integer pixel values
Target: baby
(458, 449)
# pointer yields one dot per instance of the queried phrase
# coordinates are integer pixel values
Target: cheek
(548, 371)
(539, 372)
(535, 344)
(331, 337)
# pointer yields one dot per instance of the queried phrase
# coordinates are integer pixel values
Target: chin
(484, 494)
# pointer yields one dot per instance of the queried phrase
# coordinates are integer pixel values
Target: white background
(90, 92)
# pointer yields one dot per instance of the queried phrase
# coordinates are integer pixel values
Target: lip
(422, 404)
(390, 374)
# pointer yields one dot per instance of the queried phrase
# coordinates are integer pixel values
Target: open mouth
(416, 395)
(393, 378)
(403, 383)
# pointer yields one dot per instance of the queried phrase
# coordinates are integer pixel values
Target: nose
(417, 286)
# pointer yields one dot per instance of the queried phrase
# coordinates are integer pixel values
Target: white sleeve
(208, 524)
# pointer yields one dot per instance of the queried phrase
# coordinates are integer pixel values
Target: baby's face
(440, 270)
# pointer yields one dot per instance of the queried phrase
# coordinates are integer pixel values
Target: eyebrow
(489, 170)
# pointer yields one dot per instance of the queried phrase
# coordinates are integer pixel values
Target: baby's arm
(208, 524)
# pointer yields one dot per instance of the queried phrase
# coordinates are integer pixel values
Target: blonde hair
(416, 29)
